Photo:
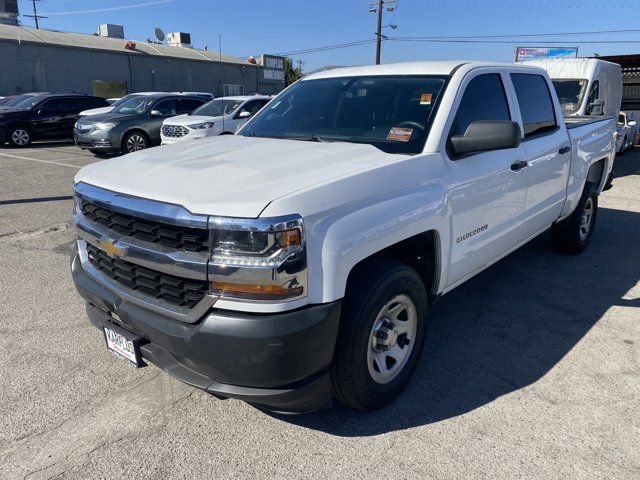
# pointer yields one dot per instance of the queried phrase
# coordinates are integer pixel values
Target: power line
(328, 47)
(510, 42)
(526, 35)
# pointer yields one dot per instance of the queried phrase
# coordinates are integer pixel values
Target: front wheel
(572, 235)
(134, 142)
(381, 334)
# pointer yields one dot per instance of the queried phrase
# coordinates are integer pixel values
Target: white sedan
(222, 116)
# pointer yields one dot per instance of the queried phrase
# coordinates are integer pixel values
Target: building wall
(26, 67)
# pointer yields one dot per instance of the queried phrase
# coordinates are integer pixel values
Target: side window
(186, 105)
(166, 107)
(484, 99)
(536, 105)
(594, 93)
(57, 105)
(252, 107)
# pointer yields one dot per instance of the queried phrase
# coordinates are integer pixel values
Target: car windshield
(134, 106)
(217, 107)
(124, 99)
(570, 93)
(5, 100)
(390, 112)
(24, 102)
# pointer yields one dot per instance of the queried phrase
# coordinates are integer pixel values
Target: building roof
(95, 42)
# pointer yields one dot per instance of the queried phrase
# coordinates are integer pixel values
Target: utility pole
(378, 31)
(35, 15)
(377, 8)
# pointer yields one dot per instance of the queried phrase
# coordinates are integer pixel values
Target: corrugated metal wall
(26, 67)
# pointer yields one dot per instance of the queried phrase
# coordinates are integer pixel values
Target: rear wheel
(381, 334)
(572, 235)
(134, 142)
(19, 137)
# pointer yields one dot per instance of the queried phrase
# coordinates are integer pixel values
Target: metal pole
(35, 13)
(379, 31)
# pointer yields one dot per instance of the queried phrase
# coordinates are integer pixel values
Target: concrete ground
(531, 369)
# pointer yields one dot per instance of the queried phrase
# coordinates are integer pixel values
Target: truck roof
(407, 68)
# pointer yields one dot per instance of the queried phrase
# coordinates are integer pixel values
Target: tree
(291, 74)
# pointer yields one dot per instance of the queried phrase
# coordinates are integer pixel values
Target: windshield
(570, 93)
(135, 105)
(391, 113)
(119, 102)
(217, 107)
(24, 102)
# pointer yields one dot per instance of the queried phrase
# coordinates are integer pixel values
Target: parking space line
(40, 161)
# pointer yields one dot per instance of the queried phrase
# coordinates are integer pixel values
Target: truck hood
(233, 176)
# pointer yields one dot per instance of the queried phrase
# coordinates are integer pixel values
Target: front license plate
(124, 344)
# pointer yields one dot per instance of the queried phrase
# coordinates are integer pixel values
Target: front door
(486, 190)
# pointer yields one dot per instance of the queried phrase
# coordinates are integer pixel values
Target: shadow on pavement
(627, 164)
(41, 144)
(505, 328)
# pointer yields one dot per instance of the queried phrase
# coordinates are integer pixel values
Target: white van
(585, 86)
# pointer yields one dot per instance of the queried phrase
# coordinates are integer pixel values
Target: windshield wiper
(312, 138)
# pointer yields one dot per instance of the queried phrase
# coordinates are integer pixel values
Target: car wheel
(572, 235)
(381, 334)
(19, 137)
(134, 142)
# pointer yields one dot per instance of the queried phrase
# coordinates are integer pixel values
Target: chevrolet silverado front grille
(179, 238)
(175, 290)
(174, 131)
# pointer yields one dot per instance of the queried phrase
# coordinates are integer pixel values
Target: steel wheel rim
(20, 137)
(136, 143)
(392, 339)
(586, 219)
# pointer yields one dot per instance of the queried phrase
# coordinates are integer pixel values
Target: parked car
(296, 261)
(625, 133)
(116, 103)
(46, 116)
(20, 101)
(133, 125)
(222, 116)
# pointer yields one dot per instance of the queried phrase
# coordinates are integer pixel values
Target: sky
(253, 27)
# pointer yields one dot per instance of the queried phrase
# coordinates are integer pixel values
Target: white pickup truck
(295, 262)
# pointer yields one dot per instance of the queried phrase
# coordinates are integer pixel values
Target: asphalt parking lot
(531, 369)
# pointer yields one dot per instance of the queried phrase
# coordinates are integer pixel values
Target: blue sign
(537, 53)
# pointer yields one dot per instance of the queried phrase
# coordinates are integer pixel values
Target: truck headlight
(259, 259)
(201, 126)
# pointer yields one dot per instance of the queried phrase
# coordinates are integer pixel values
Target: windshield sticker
(425, 99)
(400, 134)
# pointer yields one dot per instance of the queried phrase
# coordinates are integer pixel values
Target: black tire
(19, 136)
(572, 235)
(373, 286)
(134, 142)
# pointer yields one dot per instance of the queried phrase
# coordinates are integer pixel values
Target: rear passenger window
(536, 106)
(186, 105)
(484, 99)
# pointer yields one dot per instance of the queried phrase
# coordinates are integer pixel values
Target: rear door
(548, 151)
(486, 195)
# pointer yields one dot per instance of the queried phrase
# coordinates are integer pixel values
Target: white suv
(222, 116)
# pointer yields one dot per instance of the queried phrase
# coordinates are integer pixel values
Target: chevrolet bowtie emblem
(110, 248)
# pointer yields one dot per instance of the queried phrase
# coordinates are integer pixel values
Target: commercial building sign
(537, 53)
(273, 68)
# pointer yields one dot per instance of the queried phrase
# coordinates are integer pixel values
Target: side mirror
(596, 108)
(482, 136)
(632, 123)
(244, 114)
(156, 113)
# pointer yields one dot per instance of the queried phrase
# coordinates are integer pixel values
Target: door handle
(564, 150)
(519, 165)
